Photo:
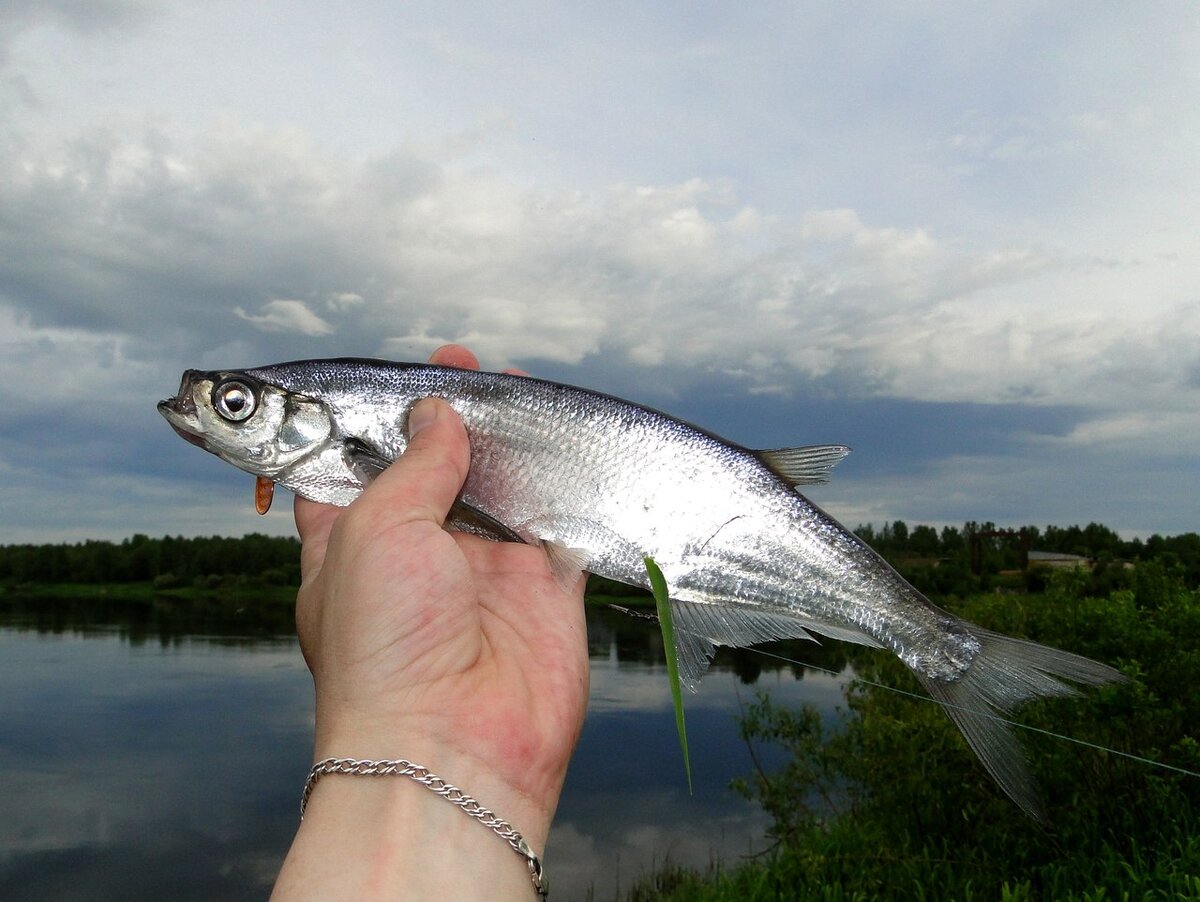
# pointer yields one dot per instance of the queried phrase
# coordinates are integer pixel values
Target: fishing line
(925, 698)
(993, 716)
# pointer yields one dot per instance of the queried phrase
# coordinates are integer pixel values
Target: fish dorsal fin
(809, 465)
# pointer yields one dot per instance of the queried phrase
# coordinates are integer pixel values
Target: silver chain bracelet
(452, 794)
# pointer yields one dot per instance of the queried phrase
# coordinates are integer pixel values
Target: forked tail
(1005, 673)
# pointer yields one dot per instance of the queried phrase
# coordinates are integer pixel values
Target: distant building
(1057, 559)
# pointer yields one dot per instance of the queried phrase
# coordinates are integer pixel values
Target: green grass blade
(658, 585)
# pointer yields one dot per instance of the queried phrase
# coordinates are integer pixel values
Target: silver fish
(601, 483)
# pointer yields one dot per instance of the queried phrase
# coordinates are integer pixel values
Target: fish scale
(602, 483)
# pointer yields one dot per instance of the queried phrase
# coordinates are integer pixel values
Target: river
(144, 757)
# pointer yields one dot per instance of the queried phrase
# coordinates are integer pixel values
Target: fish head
(258, 427)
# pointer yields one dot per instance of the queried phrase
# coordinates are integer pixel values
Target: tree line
(168, 562)
(940, 563)
(1093, 541)
(935, 561)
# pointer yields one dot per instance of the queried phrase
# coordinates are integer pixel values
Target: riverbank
(148, 592)
(891, 804)
(248, 592)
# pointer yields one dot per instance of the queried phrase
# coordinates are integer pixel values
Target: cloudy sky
(964, 239)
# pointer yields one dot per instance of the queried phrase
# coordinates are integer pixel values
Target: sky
(963, 239)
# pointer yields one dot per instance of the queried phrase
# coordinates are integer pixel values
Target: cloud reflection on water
(625, 806)
(172, 769)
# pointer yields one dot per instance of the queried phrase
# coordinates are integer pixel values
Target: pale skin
(461, 655)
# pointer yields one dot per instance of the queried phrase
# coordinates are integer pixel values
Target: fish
(601, 484)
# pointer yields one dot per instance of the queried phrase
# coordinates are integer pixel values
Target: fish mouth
(180, 412)
(184, 434)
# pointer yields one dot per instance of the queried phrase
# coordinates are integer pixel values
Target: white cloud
(287, 316)
(344, 300)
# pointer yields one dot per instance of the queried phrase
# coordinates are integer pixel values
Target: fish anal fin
(807, 465)
(695, 653)
(699, 627)
(841, 633)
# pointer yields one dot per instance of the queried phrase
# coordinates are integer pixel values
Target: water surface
(146, 754)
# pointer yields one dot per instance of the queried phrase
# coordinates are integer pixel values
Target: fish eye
(234, 400)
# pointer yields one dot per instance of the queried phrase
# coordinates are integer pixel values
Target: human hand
(462, 655)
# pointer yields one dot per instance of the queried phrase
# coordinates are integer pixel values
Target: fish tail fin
(1005, 673)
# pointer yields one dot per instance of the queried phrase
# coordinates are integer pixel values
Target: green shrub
(890, 803)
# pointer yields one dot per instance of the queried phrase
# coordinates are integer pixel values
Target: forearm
(387, 837)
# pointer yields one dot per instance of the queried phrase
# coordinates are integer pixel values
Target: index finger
(456, 356)
(313, 523)
(461, 358)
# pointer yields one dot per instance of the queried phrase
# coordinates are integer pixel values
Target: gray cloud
(246, 228)
(850, 244)
(84, 17)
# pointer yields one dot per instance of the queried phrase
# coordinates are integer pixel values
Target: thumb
(423, 483)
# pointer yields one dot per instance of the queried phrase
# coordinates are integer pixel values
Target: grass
(924, 820)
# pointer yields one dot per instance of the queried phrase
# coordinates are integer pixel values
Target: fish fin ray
(695, 653)
(738, 626)
(700, 627)
(807, 465)
(565, 563)
(364, 461)
(465, 518)
(841, 633)
(1005, 673)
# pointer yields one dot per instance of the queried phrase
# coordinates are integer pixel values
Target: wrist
(519, 778)
(374, 829)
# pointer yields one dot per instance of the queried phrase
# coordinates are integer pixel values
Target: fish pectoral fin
(630, 612)
(808, 465)
(566, 563)
(364, 461)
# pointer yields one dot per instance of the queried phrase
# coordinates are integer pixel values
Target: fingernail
(423, 413)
